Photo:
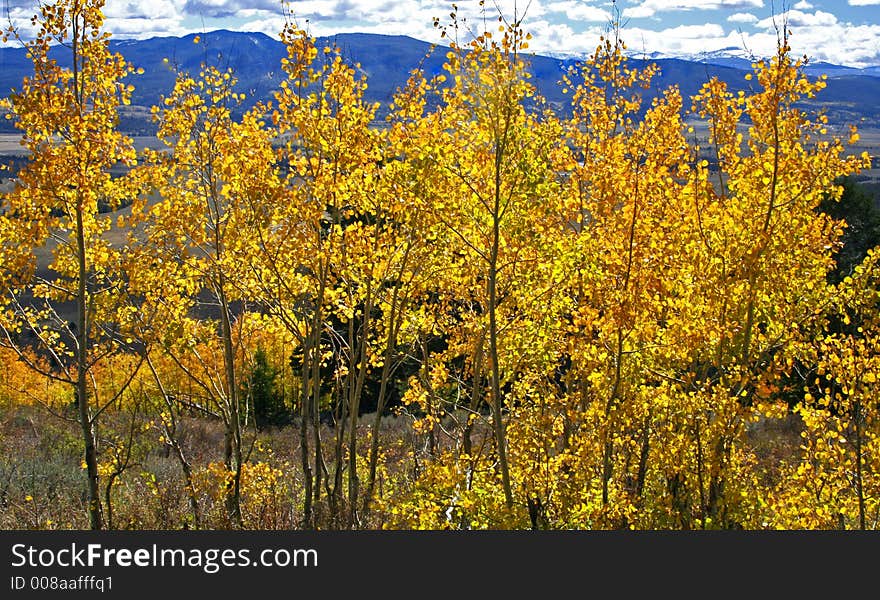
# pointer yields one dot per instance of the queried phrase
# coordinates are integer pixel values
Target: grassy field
(10, 144)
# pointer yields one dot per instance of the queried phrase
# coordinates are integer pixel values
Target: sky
(844, 32)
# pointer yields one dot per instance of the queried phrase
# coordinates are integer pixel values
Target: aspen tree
(68, 117)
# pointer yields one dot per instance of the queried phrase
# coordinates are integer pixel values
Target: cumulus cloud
(864, 2)
(32, 6)
(226, 8)
(579, 11)
(144, 28)
(820, 38)
(796, 18)
(156, 9)
(648, 8)
(313, 9)
(803, 5)
(123, 18)
(823, 37)
(748, 18)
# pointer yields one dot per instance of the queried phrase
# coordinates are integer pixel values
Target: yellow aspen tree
(325, 251)
(339, 259)
(291, 263)
(485, 155)
(405, 253)
(761, 259)
(622, 243)
(68, 118)
(193, 243)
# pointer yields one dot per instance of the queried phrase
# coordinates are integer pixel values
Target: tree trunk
(497, 401)
(87, 425)
(233, 496)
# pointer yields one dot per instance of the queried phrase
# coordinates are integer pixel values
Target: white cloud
(864, 2)
(748, 18)
(694, 32)
(144, 28)
(225, 8)
(803, 5)
(822, 38)
(796, 18)
(638, 12)
(156, 9)
(579, 11)
(648, 8)
(20, 19)
(677, 41)
(256, 13)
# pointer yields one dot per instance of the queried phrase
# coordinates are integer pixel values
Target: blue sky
(842, 31)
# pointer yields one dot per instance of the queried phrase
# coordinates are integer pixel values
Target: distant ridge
(853, 95)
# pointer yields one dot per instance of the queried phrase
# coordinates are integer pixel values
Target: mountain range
(850, 97)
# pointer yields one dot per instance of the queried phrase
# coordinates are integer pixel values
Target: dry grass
(42, 485)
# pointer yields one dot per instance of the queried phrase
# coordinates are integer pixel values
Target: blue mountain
(852, 94)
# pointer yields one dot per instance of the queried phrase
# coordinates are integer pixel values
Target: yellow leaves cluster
(265, 488)
(442, 498)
